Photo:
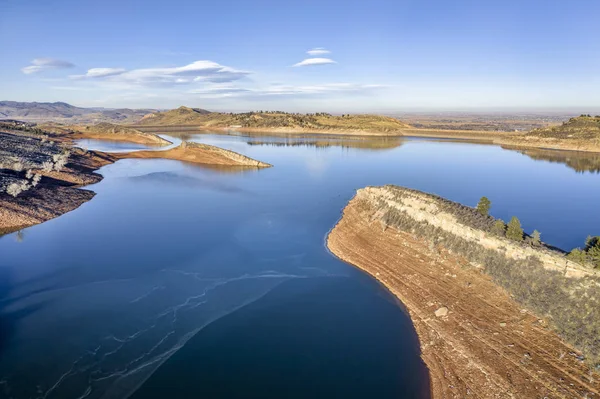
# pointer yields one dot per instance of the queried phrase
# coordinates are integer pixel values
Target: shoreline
(506, 140)
(272, 130)
(474, 337)
(60, 192)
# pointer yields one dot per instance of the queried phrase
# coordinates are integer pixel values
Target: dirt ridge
(476, 340)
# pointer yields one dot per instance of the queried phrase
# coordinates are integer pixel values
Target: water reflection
(579, 161)
(112, 146)
(382, 143)
(95, 301)
(299, 140)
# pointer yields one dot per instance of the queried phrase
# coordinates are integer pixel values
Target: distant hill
(581, 133)
(584, 127)
(63, 112)
(274, 120)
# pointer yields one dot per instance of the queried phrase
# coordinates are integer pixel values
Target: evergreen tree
(514, 230)
(484, 206)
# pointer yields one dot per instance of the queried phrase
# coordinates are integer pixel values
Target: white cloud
(287, 90)
(318, 51)
(43, 64)
(198, 71)
(315, 61)
(99, 73)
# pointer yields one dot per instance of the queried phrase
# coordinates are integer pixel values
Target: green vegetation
(589, 255)
(484, 206)
(572, 305)
(499, 228)
(514, 230)
(274, 119)
(536, 238)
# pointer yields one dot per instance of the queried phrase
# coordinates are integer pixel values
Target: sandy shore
(475, 339)
(199, 154)
(508, 140)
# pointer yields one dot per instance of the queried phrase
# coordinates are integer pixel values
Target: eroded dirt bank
(200, 154)
(476, 339)
(509, 140)
(103, 131)
(58, 191)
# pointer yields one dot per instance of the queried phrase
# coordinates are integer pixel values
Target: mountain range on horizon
(63, 112)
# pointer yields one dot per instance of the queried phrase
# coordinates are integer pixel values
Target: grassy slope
(270, 120)
(579, 128)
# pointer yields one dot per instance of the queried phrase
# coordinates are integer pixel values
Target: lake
(183, 281)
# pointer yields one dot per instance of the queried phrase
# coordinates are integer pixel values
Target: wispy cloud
(100, 73)
(198, 71)
(43, 64)
(314, 61)
(287, 90)
(318, 51)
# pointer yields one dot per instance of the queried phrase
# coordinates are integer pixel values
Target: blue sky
(379, 55)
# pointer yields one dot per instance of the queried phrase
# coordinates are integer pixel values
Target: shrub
(15, 189)
(499, 228)
(47, 166)
(60, 160)
(578, 256)
(536, 238)
(572, 305)
(514, 230)
(36, 179)
(484, 206)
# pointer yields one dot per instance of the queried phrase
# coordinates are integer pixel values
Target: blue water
(206, 283)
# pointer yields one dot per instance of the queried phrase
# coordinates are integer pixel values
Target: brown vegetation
(278, 121)
(577, 134)
(465, 289)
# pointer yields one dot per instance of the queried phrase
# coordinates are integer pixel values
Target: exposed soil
(200, 154)
(510, 140)
(103, 131)
(56, 194)
(475, 339)
(59, 192)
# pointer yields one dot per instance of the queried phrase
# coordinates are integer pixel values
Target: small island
(498, 313)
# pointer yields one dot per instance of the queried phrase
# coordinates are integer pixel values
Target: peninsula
(497, 317)
(41, 172)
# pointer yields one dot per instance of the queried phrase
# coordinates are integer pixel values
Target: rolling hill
(275, 120)
(67, 113)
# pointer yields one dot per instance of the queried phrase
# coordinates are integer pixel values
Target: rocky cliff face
(443, 214)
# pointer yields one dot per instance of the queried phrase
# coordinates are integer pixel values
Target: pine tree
(514, 230)
(484, 206)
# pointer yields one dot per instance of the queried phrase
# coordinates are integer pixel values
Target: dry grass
(275, 119)
(571, 304)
